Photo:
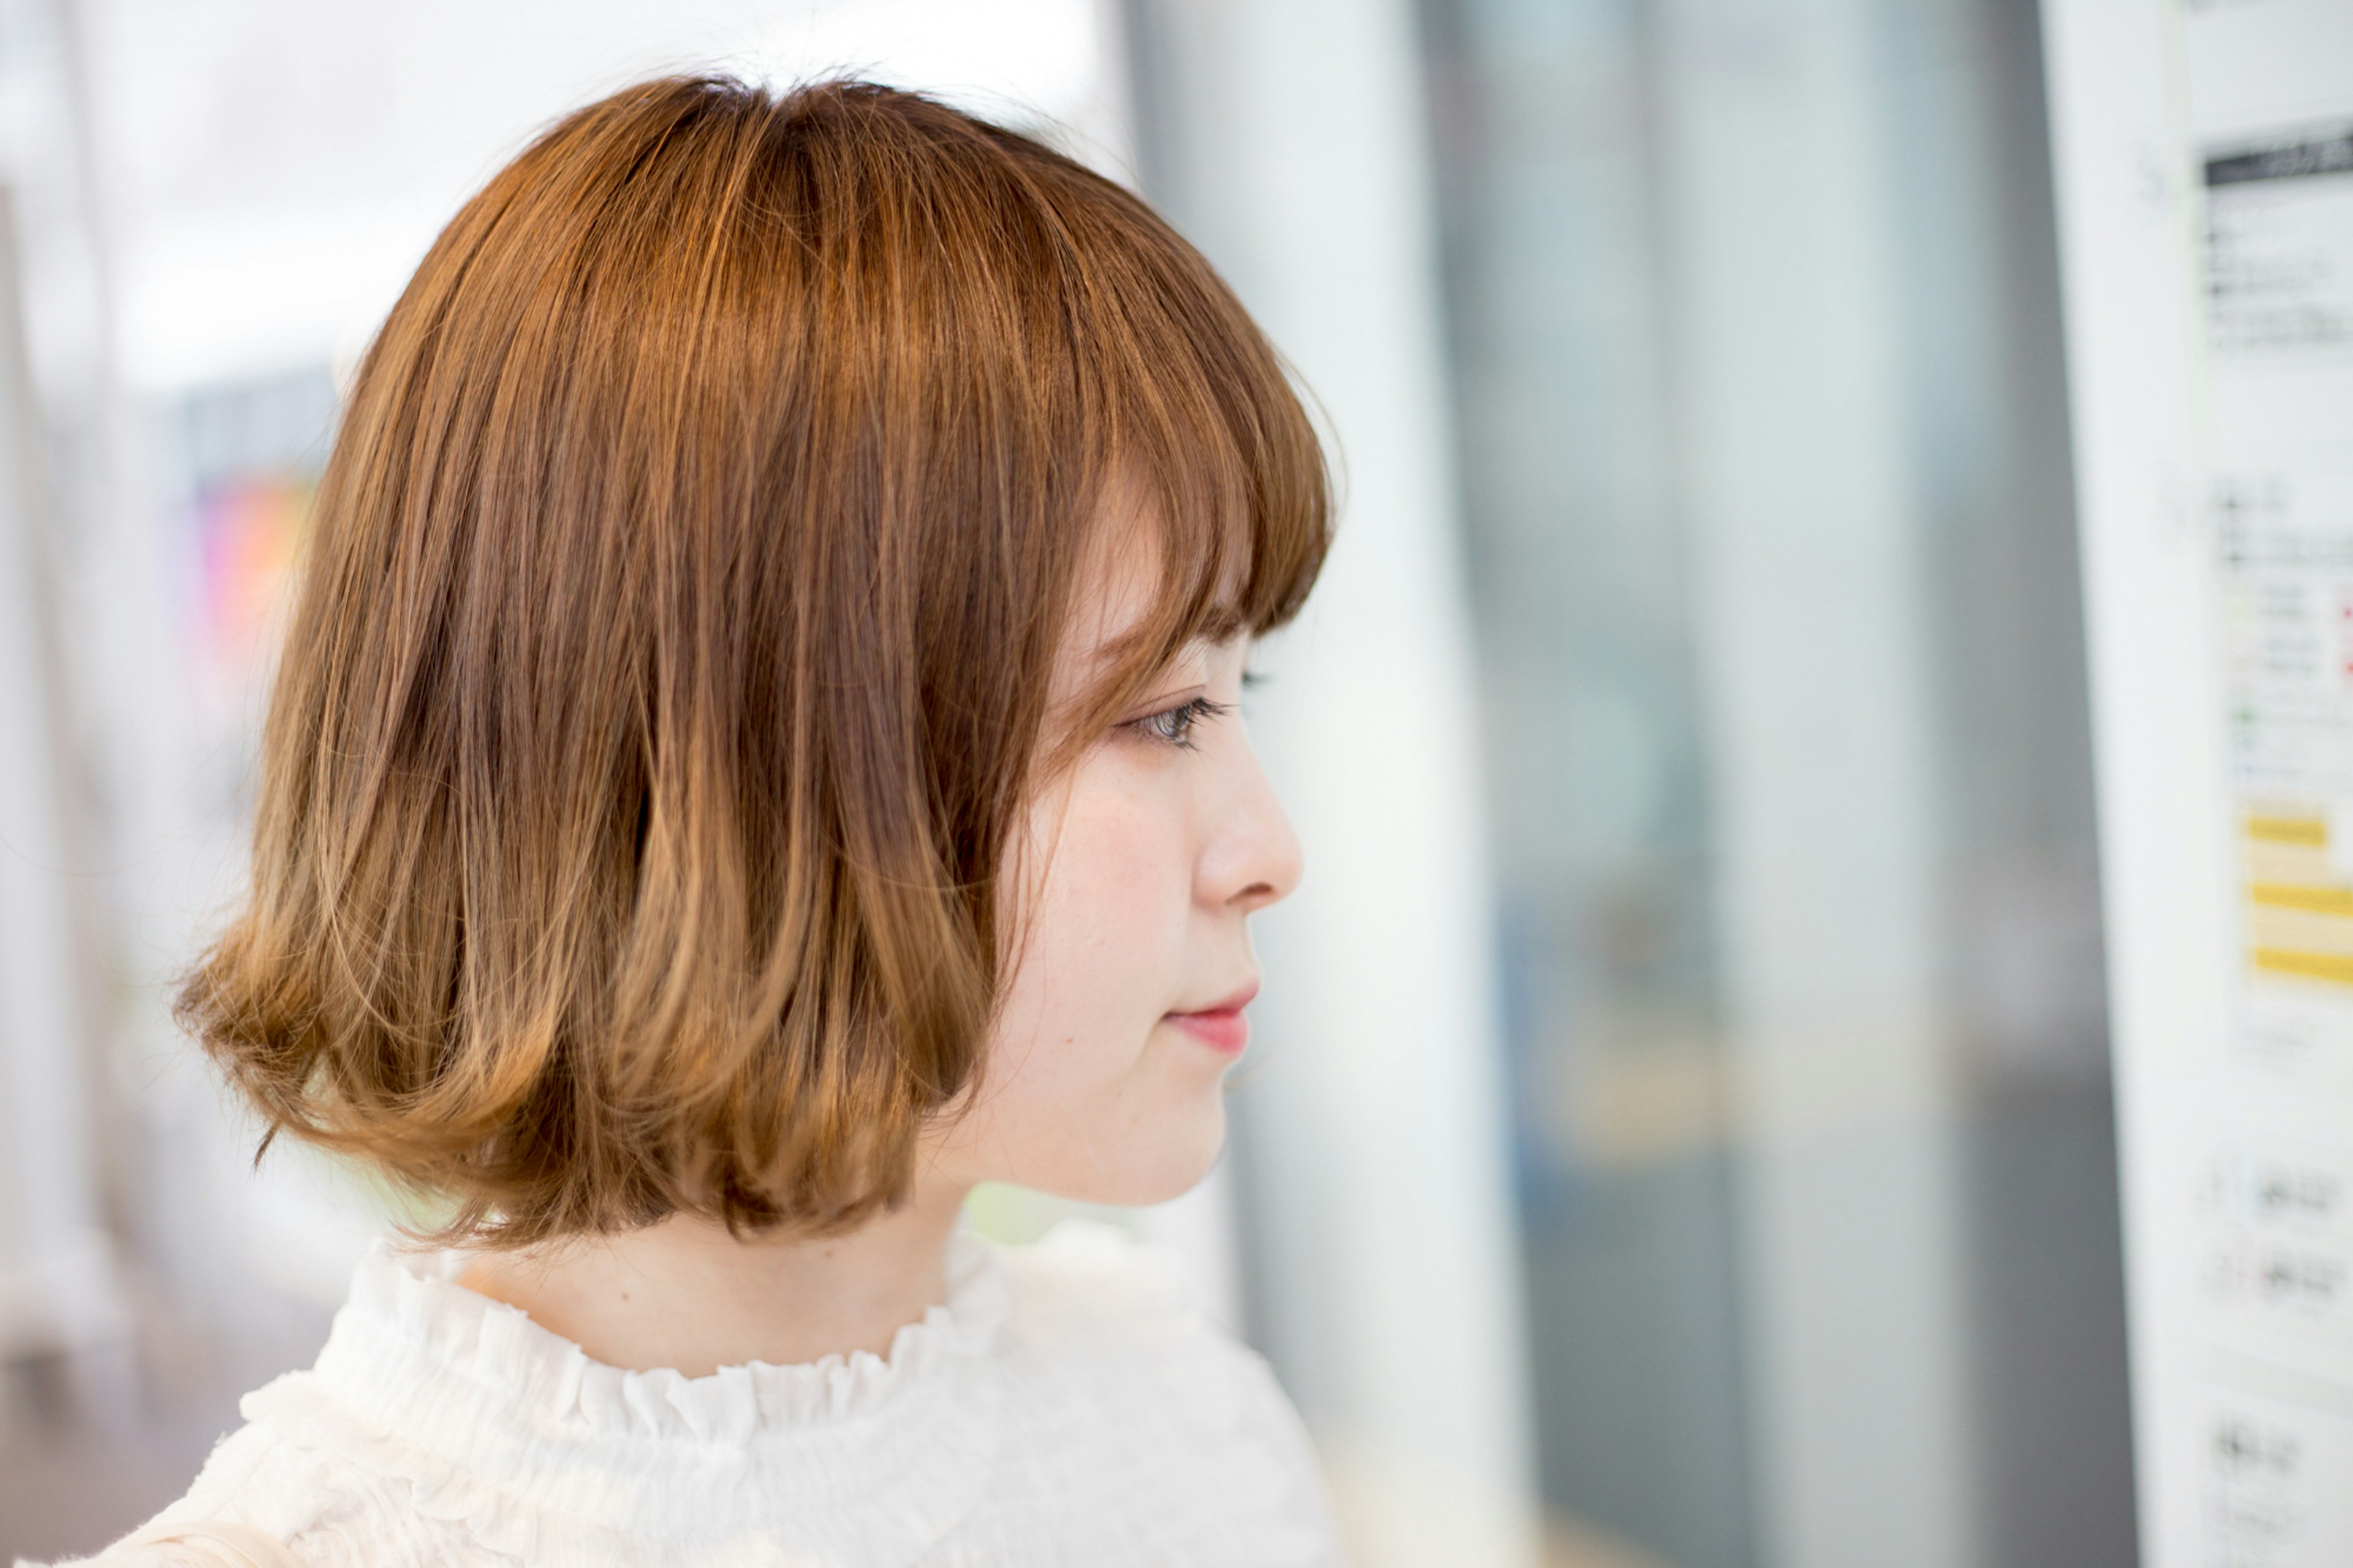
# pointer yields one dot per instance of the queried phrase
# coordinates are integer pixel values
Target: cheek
(1084, 1096)
(1105, 949)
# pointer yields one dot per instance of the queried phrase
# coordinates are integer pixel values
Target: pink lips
(1224, 1028)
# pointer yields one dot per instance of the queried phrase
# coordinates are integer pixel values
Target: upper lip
(1232, 1004)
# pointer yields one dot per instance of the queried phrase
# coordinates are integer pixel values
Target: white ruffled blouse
(1067, 1406)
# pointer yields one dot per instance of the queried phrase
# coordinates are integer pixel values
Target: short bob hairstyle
(669, 665)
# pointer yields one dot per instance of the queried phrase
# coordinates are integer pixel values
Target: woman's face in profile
(1139, 868)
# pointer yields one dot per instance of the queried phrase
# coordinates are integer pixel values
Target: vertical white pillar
(55, 1284)
(1291, 143)
(1813, 624)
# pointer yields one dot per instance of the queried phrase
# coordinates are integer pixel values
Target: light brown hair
(670, 657)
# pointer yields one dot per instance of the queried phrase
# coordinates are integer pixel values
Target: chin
(1163, 1162)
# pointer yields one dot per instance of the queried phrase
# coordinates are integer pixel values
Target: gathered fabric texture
(1067, 1404)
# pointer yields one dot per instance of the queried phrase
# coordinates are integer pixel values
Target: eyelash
(1174, 726)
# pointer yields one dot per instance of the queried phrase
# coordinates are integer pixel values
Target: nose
(1252, 857)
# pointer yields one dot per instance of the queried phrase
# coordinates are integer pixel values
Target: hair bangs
(1200, 446)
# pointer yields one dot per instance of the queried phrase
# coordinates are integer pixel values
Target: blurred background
(1680, 1129)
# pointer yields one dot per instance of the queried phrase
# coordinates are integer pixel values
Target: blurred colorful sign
(247, 530)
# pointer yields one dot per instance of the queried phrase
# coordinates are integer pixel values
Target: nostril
(1256, 893)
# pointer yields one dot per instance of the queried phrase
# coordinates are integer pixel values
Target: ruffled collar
(495, 1419)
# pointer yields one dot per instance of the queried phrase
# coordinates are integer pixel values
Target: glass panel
(1755, 322)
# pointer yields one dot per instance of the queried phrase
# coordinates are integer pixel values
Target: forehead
(1133, 611)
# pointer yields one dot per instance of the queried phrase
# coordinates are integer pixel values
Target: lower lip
(1226, 1032)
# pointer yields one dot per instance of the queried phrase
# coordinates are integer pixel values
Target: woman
(755, 755)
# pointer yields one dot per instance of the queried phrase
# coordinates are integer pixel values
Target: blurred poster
(2205, 164)
(2279, 291)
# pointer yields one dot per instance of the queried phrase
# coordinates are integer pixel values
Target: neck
(685, 1294)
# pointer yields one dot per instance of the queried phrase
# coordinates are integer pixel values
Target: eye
(1175, 725)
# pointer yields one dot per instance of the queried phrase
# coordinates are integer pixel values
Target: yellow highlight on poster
(2336, 967)
(2323, 901)
(2311, 832)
